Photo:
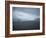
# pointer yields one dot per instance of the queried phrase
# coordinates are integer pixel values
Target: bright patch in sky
(24, 16)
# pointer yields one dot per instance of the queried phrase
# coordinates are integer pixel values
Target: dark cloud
(35, 11)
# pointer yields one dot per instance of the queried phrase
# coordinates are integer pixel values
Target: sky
(25, 14)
